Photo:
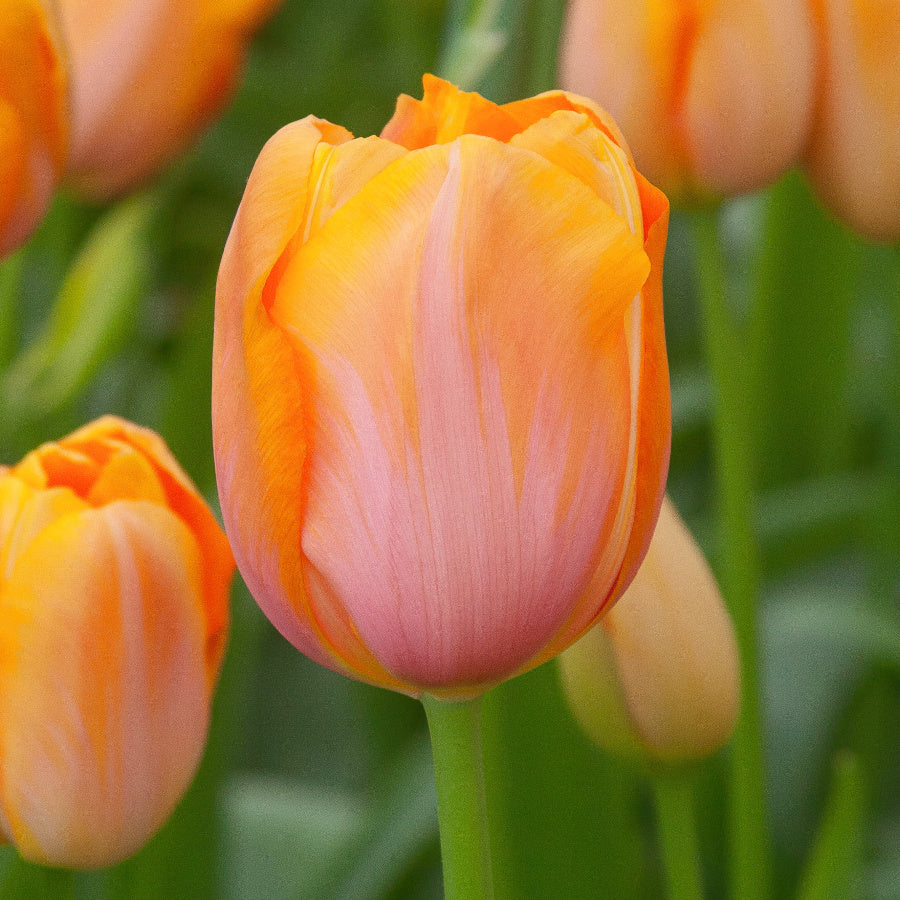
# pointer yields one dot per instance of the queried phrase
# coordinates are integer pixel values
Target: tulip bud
(147, 77)
(440, 392)
(33, 122)
(658, 675)
(114, 582)
(714, 97)
(854, 154)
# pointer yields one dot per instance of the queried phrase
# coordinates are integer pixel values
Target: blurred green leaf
(835, 864)
(93, 314)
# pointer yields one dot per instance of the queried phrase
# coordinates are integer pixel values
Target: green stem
(739, 565)
(674, 798)
(462, 812)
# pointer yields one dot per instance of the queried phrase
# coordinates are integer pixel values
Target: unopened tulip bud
(114, 582)
(658, 676)
(854, 154)
(147, 77)
(714, 98)
(33, 117)
(440, 391)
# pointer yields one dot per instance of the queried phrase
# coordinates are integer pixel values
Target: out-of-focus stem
(738, 568)
(676, 825)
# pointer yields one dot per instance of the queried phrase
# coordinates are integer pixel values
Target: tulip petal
(103, 674)
(443, 402)
(260, 433)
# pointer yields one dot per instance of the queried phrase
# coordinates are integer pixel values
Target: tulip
(33, 118)
(147, 77)
(657, 678)
(440, 392)
(715, 98)
(853, 159)
(113, 617)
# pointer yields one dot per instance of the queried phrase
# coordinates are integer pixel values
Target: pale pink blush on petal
(448, 575)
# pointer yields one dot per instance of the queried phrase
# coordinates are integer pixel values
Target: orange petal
(544, 272)
(105, 697)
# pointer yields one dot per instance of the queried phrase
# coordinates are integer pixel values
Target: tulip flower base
(455, 730)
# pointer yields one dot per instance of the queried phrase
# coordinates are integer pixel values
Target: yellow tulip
(440, 391)
(114, 582)
(658, 676)
(33, 118)
(147, 77)
(714, 96)
(853, 159)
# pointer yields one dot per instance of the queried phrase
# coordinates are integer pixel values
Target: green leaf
(94, 312)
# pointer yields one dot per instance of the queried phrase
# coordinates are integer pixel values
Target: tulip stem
(674, 798)
(462, 810)
(738, 568)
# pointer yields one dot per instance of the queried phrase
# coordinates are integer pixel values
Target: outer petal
(104, 702)
(854, 158)
(33, 121)
(456, 561)
(260, 432)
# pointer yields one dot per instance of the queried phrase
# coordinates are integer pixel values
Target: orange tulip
(854, 153)
(658, 676)
(114, 584)
(440, 396)
(147, 78)
(33, 122)
(714, 96)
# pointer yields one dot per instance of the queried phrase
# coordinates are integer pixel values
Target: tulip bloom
(714, 96)
(114, 580)
(658, 676)
(147, 78)
(33, 119)
(440, 392)
(854, 154)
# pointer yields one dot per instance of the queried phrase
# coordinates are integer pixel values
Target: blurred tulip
(33, 118)
(113, 617)
(440, 391)
(147, 77)
(854, 154)
(714, 96)
(658, 676)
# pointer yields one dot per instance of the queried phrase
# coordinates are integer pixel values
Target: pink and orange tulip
(440, 391)
(114, 581)
(33, 117)
(714, 96)
(658, 676)
(853, 159)
(147, 77)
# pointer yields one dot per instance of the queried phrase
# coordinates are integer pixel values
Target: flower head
(147, 78)
(33, 117)
(114, 582)
(714, 96)
(658, 676)
(440, 393)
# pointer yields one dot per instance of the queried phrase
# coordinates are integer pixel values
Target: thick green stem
(738, 568)
(459, 778)
(674, 797)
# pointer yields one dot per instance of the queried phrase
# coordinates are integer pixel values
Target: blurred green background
(316, 787)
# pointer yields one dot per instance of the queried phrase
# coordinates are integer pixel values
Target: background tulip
(440, 392)
(33, 123)
(147, 77)
(713, 97)
(854, 154)
(658, 675)
(113, 616)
